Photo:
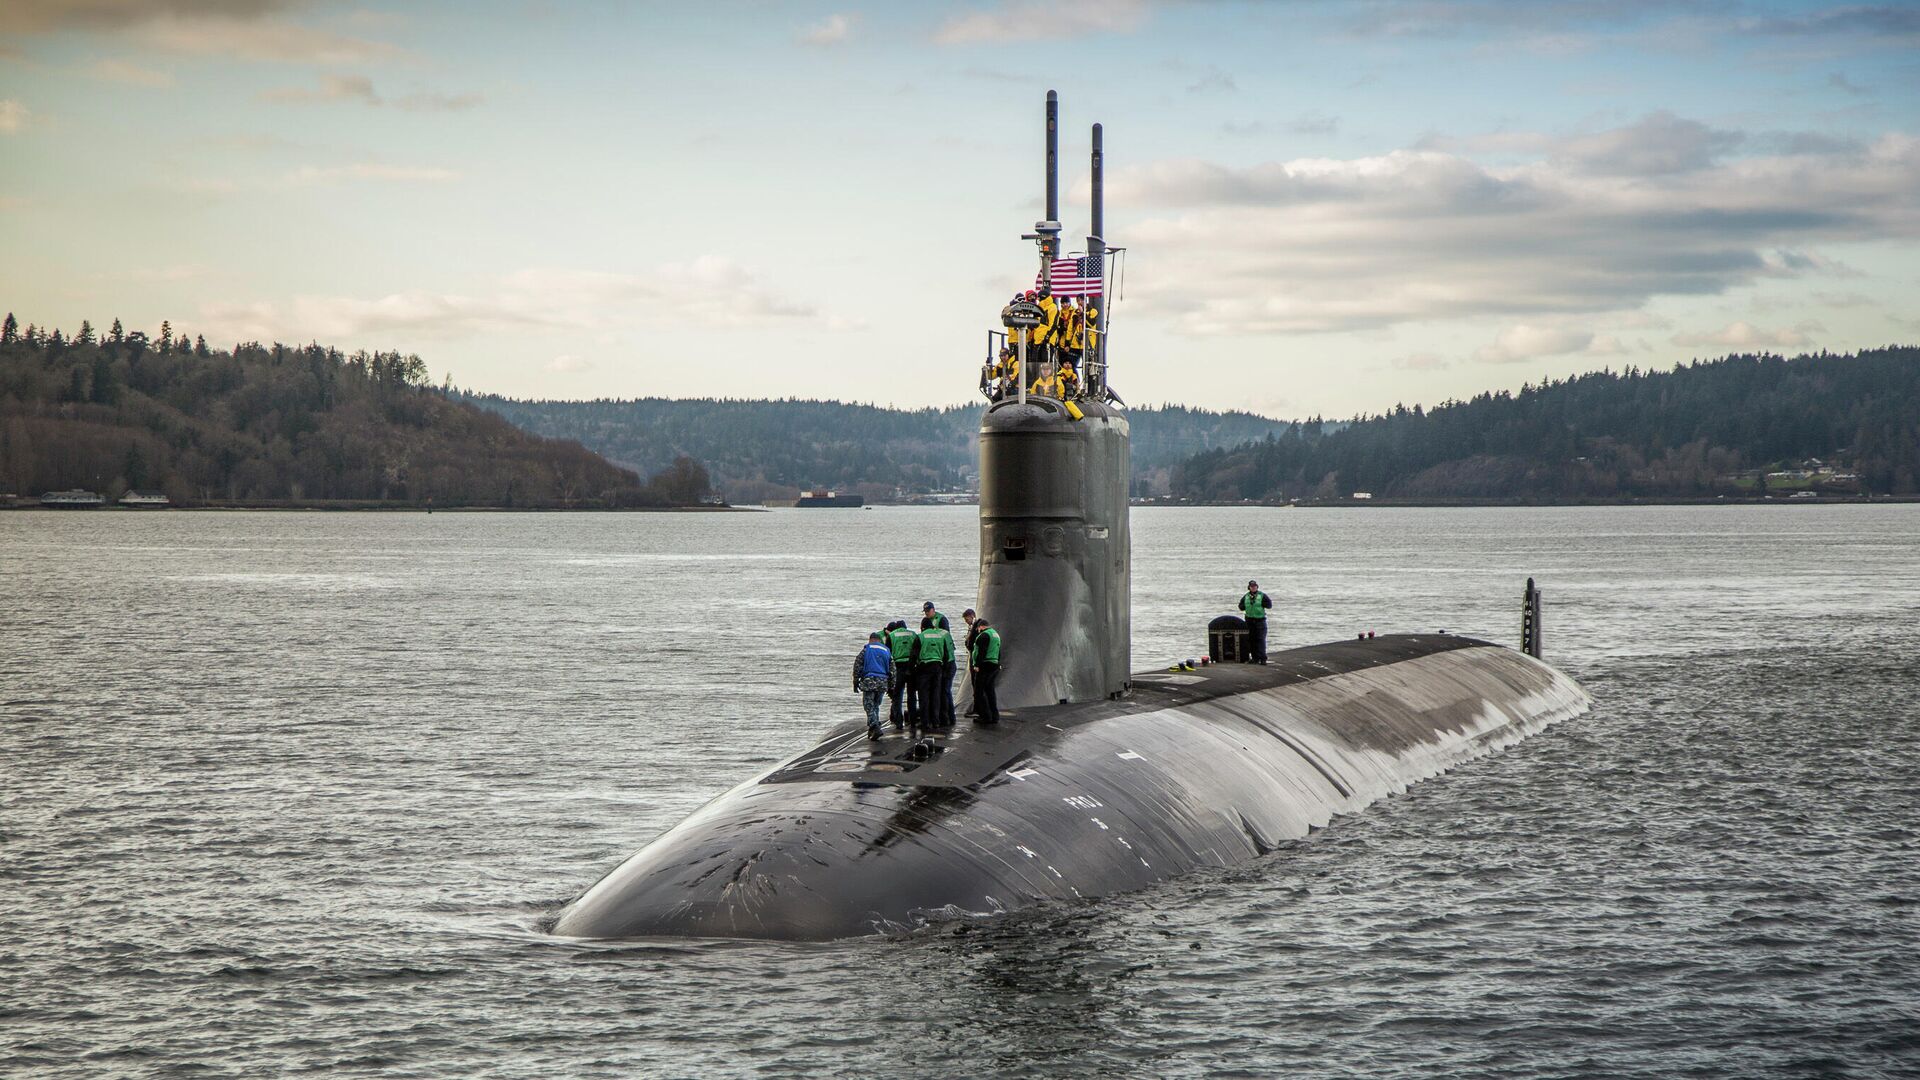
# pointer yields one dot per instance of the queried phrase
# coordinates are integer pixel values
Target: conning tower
(1056, 568)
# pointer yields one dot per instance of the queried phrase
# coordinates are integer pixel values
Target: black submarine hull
(1203, 769)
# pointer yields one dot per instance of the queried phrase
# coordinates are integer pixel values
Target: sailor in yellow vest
(1044, 335)
(1048, 384)
(1006, 373)
(1075, 336)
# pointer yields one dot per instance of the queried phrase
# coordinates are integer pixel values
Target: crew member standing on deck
(943, 695)
(973, 631)
(933, 660)
(1254, 606)
(872, 674)
(985, 658)
(903, 642)
(899, 641)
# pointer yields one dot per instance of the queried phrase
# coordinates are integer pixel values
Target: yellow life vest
(1046, 386)
(1049, 321)
(1076, 329)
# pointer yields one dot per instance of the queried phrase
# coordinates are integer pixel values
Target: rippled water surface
(294, 792)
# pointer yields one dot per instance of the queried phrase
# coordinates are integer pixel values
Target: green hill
(771, 449)
(268, 425)
(1740, 425)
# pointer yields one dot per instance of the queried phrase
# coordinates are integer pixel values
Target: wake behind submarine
(1096, 782)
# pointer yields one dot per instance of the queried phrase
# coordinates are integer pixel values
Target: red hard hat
(1031, 294)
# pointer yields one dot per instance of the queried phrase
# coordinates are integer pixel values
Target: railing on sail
(1089, 360)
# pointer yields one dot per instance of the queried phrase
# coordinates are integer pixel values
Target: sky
(1328, 208)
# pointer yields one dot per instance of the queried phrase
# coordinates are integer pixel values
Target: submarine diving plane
(1096, 781)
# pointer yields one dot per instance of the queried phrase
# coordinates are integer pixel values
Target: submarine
(1097, 780)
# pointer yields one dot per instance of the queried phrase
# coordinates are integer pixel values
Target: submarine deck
(970, 753)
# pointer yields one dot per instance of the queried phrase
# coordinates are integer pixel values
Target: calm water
(292, 792)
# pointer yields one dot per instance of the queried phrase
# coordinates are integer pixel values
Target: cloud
(1313, 124)
(1658, 144)
(1422, 361)
(263, 41)
(1525, 143)
(1842, 300)
(332, 88)
(13, 116)
(47, 16)
(1741, 335)
(358, 89)
(832, 30)
(710, 292)
(1331, 244)
(568, 364)
(1051, 20)
(245, 29)
(1886, 22)
(1549, 22)
(1839, 81)
(125, 71)
(1214, 81)
(1525, 342)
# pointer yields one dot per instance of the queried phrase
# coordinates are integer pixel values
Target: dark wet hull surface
(335, 854)
(1206, 768)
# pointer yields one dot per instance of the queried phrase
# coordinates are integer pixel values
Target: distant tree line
(266, 424)
(769, 449)
(1687, 432)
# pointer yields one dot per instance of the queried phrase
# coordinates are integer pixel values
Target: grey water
(286, 793)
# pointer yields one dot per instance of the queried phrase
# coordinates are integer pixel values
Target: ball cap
(1253, 584)
(928, 606)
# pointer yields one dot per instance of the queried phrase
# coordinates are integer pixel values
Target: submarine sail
(1096, 781)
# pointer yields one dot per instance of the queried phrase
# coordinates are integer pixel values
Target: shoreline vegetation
(168, 421)
(99, 415)
(1739, 427)
(773, 449)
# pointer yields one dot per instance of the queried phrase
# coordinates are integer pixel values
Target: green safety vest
(935, 644)
(902, 640)
(986, 647)
(1252, 607)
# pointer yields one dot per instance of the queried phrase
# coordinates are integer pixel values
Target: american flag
(1075, 277)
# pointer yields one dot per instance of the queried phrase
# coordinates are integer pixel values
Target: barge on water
(813, 500)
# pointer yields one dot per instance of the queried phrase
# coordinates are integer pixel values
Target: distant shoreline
(392, 508)
(1323, 504)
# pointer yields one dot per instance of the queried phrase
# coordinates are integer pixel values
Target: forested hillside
(1719, 427)
(271, 424)
(771, 449)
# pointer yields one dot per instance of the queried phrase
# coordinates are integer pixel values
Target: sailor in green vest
(900, 693)
(933, 660)
(986, 670)
(1253, 606)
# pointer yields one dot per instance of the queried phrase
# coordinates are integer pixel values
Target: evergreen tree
(200, 345)
(9, 330)
(166, 336)
(85, 337)
(115, 334)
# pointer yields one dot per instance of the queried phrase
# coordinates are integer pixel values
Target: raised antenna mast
(1048, 231)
